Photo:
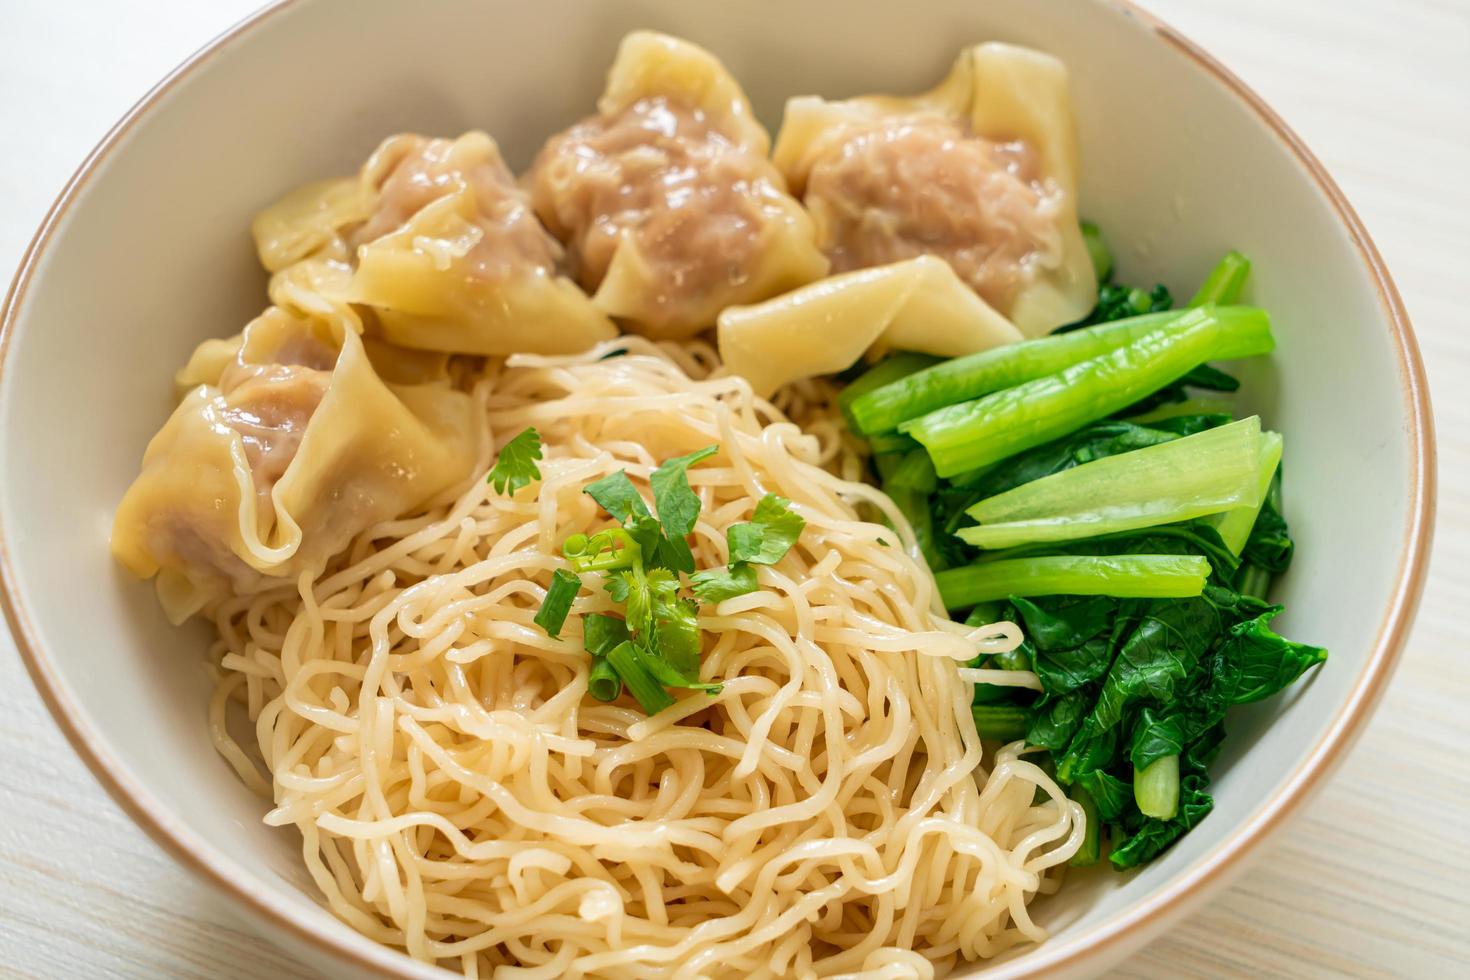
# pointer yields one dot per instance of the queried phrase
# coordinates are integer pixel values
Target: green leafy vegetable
(1115, 575)
(516, 466)
(1090, 852)
(1235, 525)
(677, 504)
(915, 505)
(1116, 302)
(884, 408)
(1137, 679)
(1193, 476)
(970, 434)
(893, 367)
(1225, 281)
(1002, 722)
(558, 602)
(1097, 251)
(616, 494)
(601, 632)
(1156, 788)
(914, 472)
(1155, 736)
(719, 584)
(768, 535)
(1269, 547)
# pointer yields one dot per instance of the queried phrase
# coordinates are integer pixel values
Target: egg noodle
(459, 796)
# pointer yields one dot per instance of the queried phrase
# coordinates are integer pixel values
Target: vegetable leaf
(660, 550)
(516, 465)
(676, 636)
(677, 504)
(1155, 737)
(718, 584)
(769, 534)
(558, 602)
(600, 633)
(616, 494)
(1112, 795)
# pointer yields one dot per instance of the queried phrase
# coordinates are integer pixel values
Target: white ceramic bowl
(147, 252)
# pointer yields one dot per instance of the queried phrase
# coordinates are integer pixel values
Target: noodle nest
(459, 796)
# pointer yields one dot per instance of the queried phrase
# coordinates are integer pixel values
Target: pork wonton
(980, 171)
(436, 239)
(279, 455)
(665, 198)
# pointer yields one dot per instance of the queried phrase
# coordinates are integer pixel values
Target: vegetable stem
(1193, 476)
(1225, 281)
(1091, 849)
(1000, 722)
(963, 378)
(1123, 576)
(1156, 789)
(970, 434)
(1255, 582)
(1097, 250)
(890, 369)
(1235, 525)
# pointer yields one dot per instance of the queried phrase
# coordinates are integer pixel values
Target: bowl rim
(1147, 917)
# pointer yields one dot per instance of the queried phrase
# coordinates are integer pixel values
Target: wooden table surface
(1372, 880)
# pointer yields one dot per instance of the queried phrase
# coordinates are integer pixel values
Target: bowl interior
(154, 255)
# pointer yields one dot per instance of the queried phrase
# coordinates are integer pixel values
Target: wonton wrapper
(666, 199)
(350, 450)
(999, 93)
(453, 262)
(918, 305)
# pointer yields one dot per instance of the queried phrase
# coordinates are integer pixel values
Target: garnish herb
(558, 602)
(657, 642)
(516, 465)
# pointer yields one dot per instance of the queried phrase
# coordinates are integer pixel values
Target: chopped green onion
(558, 602)
(647, 691)
(605, 551)
(603, 682)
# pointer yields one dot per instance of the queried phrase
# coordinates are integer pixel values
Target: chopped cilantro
(516, 465)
